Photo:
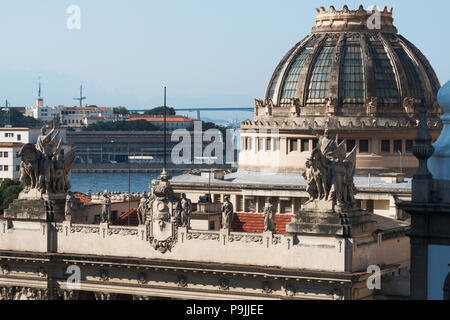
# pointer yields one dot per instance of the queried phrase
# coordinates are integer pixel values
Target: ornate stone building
(366, 86)
(364, 83)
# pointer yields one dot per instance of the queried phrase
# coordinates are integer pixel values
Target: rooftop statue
(329, 173)
(43, 168)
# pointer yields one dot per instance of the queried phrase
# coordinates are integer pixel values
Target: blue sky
(207, 52)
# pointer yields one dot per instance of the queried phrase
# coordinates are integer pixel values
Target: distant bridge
(198, 109)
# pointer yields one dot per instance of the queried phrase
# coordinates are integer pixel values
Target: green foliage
(17, 119)
(121, 110)
(160, 111)
(138, 125)
(209, 125)
(9, 190)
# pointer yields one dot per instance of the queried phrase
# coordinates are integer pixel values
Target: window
(293, 75)
(5, 154)
(351, 145)
(305, 145)
(5, 168)
(409, 145)
(293, 145)
(260, 144)
(385, 82)
(363, 146)
(19, 137)
(9, 135)
(17, 168)
(314, 143)
(320, 77)
(276, 144)
(398, 146)
(212, 225)
(1, 154)
(385, 146)
(352, 73)
(268, 144)
(285, 206)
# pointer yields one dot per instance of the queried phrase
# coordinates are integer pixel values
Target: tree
(121, 110)
(9, 191)
(160, 111)
(17, 119)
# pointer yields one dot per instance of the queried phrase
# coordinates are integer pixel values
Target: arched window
(447, 288)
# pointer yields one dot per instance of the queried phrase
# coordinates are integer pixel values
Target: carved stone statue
(70, 206)
(143, 208)
(326, 144)
(106, 208)
(269, 215)
(44, 169)
(227, 213)
(329, 173)
(372, 106)
(185, 207)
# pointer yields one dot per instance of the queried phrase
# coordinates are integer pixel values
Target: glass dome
(349, 65)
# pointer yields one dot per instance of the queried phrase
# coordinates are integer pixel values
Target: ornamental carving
(103, 296)
(104, 275)
(295, 107)
(42, 272)
(409, 104)
(245, 238)
(181, 281)
(331, 105)
(224, 284)
(6, 269)
(162, 215)
(372, 106)
(290, 291)
(267, 287)
(84, 229)
(122, 232)
(202, 236)
(142, 278)
(23, 293)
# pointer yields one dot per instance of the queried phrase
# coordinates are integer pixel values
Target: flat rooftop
(296, 180)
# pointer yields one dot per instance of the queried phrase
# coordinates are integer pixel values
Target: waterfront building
(173, 122)
(77, 117)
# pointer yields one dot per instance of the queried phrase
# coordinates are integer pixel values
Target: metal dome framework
(344, 68)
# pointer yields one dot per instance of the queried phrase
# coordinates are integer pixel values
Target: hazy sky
(207, 52)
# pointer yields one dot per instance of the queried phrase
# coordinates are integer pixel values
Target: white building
(83, 116)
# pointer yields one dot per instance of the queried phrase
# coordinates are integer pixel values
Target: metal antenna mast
(165, 128)
(81, 98)
(7, 117)
(39, 90)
